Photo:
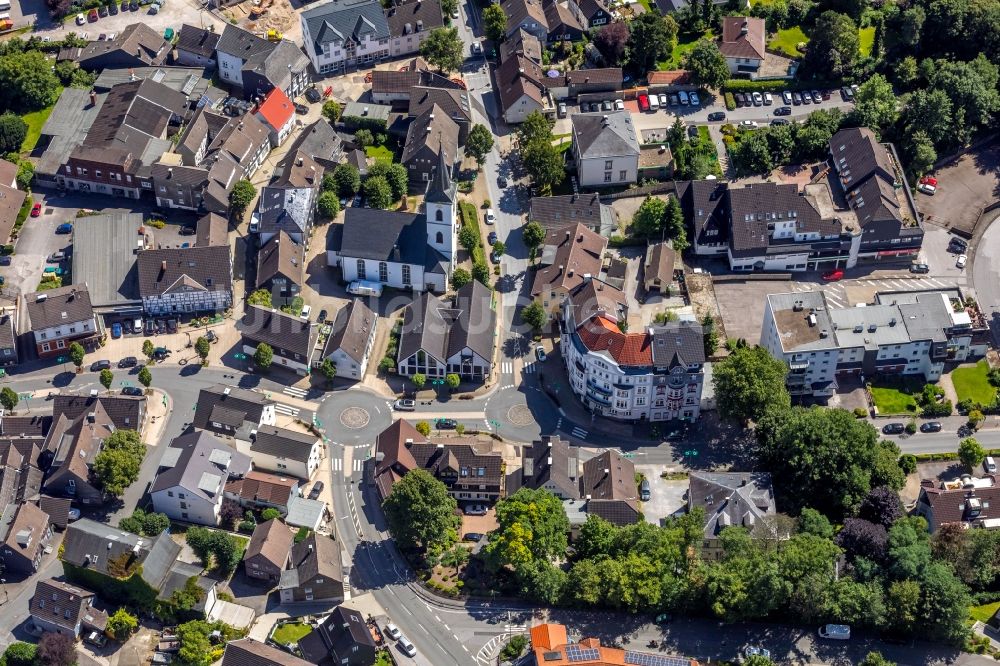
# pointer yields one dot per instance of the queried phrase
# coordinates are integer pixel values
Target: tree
(263, 356)
(148, 349)
(423, 427)
(215, 548)
(421, 513)
(468, 237)
(876, 659)
(418, 380)
(329, 369)
(534, 315)
(748, 382)
(13, 130)
(707, 65)
(945, 605)
(28, 81)
(480, 141)
(751, 154)
(327, 205)
(460, 277)
(364, 138)
(261, 297)
(535, 127)
(833, 46)
(76, 354)
(861, 538)
(452, 380)
(544, 164)
(145, 524)
(533, 234)
(270, 514)
(122, 624)
(920, 154)
(881, 506)
(531, 526)
(875, 104)
(972, 88)
(55, 649)
(25, 174)
(449, 6)
(612, 41)
(827, 457)
(202, 347)
(240, 198)
(709, 335)
(347, 179)
(651, 38)
(331, 110)
(394, 174)
(500, 248)
(107, 378)
(481, 273)
(378, 193)
(20, 654)
(813, 522)
(455, 557)
(971, 453)
(443, 49)
(674, 229)
(648, 219)
(9, 398)
(930, 111)
(495, 23)
(116, 467)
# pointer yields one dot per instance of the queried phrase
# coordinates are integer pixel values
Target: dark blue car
(64, 228)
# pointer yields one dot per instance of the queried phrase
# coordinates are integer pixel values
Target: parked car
(492, 238)
(491, 217)
(116, 331)
(320, 318)
(313, 95)
(406, 647)
(783, 111)
(540, 354)
(64, 228)
(92, 16)
(780, 121)
(768, 99)
(834, 275)
(748, 124)
(893, 428)
(928, 185)
(36, 210)
(847, 94)
(501, 182)
(620, 104)
(476, 510)
(5, 260)
(962, 261)
(187, 231)
(128, 362)
(654, 102)
(664, 100)
(134, 391)
(920, 268)
(150, 327)
(796, 99)
(685, 100)
(301, 109)
(930, 426)
(102, 11)
(957, 245)
(674, 99)
(56, 257)
(643, 102)
(606, 105)
(716, 116)
(758, 99)
(806, 97)
(694, 99)
(306, 311)
(171, 325)
(786, 97)
(473, 536)
(80, 19)
(73, 514)
(817, 96)
(97, 366)
(562, 109)
(445, 424)
(840, 632)
(392, 631)
(495, 257)
(404, 405)
(316, 490)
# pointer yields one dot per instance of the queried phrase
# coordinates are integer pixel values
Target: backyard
(290, 632)
(685, 43)
(35, 122)
(866, 40)
(972, 383)
(985, 612)
(786, 41)
(896, 395)
(379, 153)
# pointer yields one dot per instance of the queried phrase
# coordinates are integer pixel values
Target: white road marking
(579, 432)
(295, 392)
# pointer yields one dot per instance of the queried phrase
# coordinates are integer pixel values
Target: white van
(4, 5)
(990, 465)
(365, 288)
(654, 103)
(837, 632)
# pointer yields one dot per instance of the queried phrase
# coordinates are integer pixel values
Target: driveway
(965, 185)
(665, 497)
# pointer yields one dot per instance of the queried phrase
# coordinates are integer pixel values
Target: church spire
(441, 189)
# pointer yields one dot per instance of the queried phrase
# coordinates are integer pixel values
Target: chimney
(301, 161)
(170, 173)
(93, 98)
(163, 266)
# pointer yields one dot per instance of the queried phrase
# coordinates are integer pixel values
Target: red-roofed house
(743, 41)
(278, 114)
(551, 647)
(671, 77)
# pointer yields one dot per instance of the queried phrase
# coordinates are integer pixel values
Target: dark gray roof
(454, 102)
(351, 329)
(338, 637)
(605, 135)
(321, 142)
(678, 343)
(92, 545)
(212, 229)
(202, 467)
(314, 556)
(557, 212)
(277, 64)
(248, 652)
(57, 307)
(550, 460)
(441, 188)
(104, 257)
(248, 404)
(432, 130)
(737, 499)
(7, 334)
(65, 605)
(286, 209)
(705, 203)
(425, 328)
(242, 44)
(474, 323)
(275, 441)
(281, 256)
(197, 40)
(204, 268)
(345, 20)
(408, 13)
(177, 578)
(123, 410)
(757, 207)
(370, 233)
(136, 40)
(279, 330)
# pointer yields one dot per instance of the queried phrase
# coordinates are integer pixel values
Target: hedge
(361, 122)
(935, 457)
(470, 218)
(730, 102)
(740, 85)
(22, 214)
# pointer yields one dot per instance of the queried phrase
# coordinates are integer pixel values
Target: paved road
(986, 276)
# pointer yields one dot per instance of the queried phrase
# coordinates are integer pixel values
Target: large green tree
(875, 104)
(378, 192)
(648, 219)
(544, 163)
(707, 64)
(532, 526)
(240, 197)
(443, 49)
(347, 180)
(8, 398)
(13, 130)
(971, 453)
(421, 513)
(833, 45)
(652, 37)
(480, 141)
(28, 81)
(748, 382)
(495, 22)
(117, 466)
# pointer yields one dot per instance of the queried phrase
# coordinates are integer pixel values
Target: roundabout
(355, 418)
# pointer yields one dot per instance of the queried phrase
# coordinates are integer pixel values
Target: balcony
(591, 386)
(596, 397)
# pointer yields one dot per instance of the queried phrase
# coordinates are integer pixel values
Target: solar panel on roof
(647, 659)
(189, 84)
(579, 653)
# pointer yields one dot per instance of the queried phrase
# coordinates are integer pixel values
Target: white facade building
(606, 149)
(345, 33)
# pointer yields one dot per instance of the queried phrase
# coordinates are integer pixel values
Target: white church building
(402, 250)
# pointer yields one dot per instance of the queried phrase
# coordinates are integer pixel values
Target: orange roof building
(550, 647)
(277, 113)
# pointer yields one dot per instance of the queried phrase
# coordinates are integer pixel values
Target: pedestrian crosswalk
(528, 368)
(295, 392)
(288, 410)
(507, 367)
(579, 433)
(357, 465)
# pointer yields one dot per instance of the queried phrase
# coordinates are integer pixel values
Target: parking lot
(37, 241)
(666, 498)
(173, 14)
(967, 184)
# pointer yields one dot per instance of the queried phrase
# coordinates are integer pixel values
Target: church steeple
(440, 188)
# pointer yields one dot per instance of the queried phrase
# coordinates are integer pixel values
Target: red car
(92, 16)
(834, 275)
(36, 210)
(644, 102)
(929, 180)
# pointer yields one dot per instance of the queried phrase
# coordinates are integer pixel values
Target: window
(608, 165)
(439, 216)
(622, 175)
(361, 269)
(170, 493)
(184, 515)
(406, 274)
(383, 271)
(184, 505)
(440, 237)
(607, 176)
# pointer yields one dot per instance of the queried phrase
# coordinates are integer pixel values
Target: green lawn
(896, 396)
(866, 39)
(685, 43)
(985, 612)
(972, 383)
(35, 121)
(379, 153)
(786, 41)
(291, 632)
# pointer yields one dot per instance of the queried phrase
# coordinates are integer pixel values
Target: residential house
(374, 117)
(732, 499)
(521, 86)
(658, 268)
(550, 645)
(227, 410)
(412, 250)
(288, 209)
(527, 15)
(320, 142)
(195, 47)
(345, 33)
(743, 43)
(291, 338)
(563, 20)
(186, 279)
(257, 65)
(558, 212)
(61, 608)
(523, 43)
(967, 501)
(298, 171)
(137, 45)
(352, 336)
(397, 86)
(267, 554)
(593, 13)
(21, 442)
(569, 255)
(605, 149)
(234, 48)
(609, 488)
(283, 451)
(344, 637)
(281, 268)
(549, 463)
(257, 491)
(471, 472)
(314, 571)
(278, 115)
(8, 339)
(11, 200)
(431, 140)
(409, 23)
(123, 412)
(454, 102)
(60, 317)
(211, 229)
(26, 533)
(192, 476)
(656, 375)
(438, 339)
(58, 509)
(248, 652)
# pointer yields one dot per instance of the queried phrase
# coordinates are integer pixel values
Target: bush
(911, 427)
(301, 534)
(730, 102)
(514, 647)
(860, 412)
(246, 526)
(270, 514)
(908, 463)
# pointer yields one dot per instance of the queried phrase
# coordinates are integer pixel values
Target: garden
(973, 383)
(896, 395)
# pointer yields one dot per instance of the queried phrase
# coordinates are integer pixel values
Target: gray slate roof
(557, 212)
(242, 43)
(351, 329)
(197, 40)
(202, 467)
(345, 20)
(209, 268)
(757, 205)
(610, 134)
(57, 307)
(408, 13)
(92, 545)
(678, 343)
(370, 233)
(739, 499)
(321, 142)
(278, 329)
(249, 405)
(275, 441)
(104, 257)
(442, 330)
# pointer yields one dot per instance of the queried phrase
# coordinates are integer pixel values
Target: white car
(664, 101)
(768, 100)
(476, 510)
(491, 218)
(306, 311)
(758, 99)
(619, 105)
(406, 647)
(927, 188)
(748, 124)
(392, 631)
(694, 99)
(404, 405)
(962, 260)
(80, 19)
(454, 13)
(787, 98)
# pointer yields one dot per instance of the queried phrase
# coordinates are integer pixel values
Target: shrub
(911, 427)
(860, 412)
(908, 463)
(730, 102)
(270, 514)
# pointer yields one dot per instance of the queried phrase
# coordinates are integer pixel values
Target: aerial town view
(499, 332)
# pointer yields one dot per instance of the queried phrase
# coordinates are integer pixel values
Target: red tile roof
(739, 44)
(276, 109)
(673, 77)
(631, 349)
